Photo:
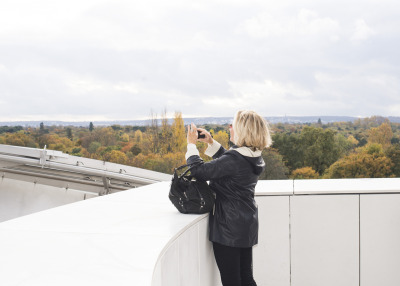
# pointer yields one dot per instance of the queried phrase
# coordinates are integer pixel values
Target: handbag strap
(187, 165)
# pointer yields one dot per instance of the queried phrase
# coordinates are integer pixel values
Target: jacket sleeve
(219, 153)
(220, 167)
(215, 150)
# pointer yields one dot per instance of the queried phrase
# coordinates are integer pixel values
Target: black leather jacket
(233, 178)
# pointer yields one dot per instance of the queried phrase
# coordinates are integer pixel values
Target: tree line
(366, 148)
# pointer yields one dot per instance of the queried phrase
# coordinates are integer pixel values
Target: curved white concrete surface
(109, 240)
(312, 233)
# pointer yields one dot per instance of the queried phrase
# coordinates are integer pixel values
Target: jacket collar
(246, 151)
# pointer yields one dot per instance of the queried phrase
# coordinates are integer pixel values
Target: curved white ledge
(111, 240)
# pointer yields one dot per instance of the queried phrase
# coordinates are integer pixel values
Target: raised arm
(221, 165)
(218, 168)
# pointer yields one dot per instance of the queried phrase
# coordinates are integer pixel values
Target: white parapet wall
(312, 233)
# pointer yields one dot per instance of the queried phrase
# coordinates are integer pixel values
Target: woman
(233, 175)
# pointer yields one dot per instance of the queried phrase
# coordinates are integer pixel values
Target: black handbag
(190, 196)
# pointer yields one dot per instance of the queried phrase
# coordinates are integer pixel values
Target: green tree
(69, 133)
(275, 168)
(106, 136)
(136, 150)
(91, 126)
(10, 129)
(371, 148)
(393, 153)
(319, 148)
(93, 146)
(289, 146)
(344, 145)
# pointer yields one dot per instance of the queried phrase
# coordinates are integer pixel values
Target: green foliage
(10, 129)
(288, 145)
(141, 128)
(136, 150)
(319, 148)
(361, 138)
(314, 147)
(395, 140)
(77, 152)
(69, 133)
(344, 145)
(93, 146)
(371, 149)
(106, 136)
(275, 168)
(393, 153)
(116, 127)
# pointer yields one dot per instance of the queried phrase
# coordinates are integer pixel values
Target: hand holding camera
(198, 134)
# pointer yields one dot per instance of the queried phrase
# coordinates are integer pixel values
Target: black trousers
(235, 265)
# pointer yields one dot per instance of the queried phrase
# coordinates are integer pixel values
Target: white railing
(36, 162)
(33, 179)
(312, 233)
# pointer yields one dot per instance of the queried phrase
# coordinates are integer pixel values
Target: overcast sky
(114, 60)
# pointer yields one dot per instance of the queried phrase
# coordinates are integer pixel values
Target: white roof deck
(109, 240)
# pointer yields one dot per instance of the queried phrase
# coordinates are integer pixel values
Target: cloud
(362, 31)
(359, 92)
(305, 23)
(268, 97)
(121, 59)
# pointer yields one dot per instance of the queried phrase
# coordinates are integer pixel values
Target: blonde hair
(251, 130)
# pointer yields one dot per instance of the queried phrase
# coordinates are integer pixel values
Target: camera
(200, 135)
